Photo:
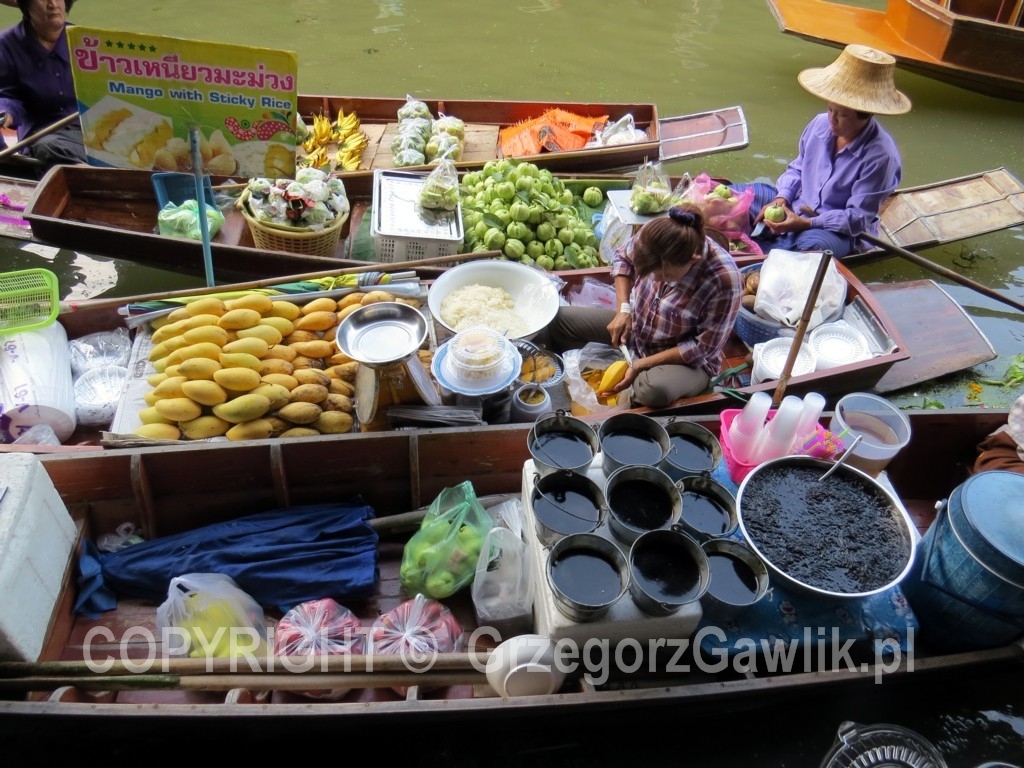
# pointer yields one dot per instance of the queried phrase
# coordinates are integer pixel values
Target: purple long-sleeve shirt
(35, 84)
(847, 190)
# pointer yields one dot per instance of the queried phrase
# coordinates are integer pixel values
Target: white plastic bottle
(747, 426)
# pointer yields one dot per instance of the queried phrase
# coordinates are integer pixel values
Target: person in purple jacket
(36, 89)
(846, 164)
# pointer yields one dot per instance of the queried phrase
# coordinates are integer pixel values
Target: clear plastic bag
(590, 361)
(414, 108)
(416, 630)
(503, 587)
(99, 350)
(440, 190)
(723, 209)
(785, 283)
(440, 558)
(319, 628)
(651, 192)
(183, 220)
(213, 616)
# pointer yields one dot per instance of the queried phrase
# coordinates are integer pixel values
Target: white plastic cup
(884, 427)
(777, 437)
(747, 426)
(813, 404)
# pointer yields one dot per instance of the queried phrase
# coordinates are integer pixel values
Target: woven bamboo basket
(279, 237)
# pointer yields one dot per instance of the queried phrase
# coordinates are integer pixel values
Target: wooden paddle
(34, 137)
(956, 277)
(801, 328)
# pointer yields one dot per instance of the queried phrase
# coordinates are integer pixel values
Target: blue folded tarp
(280, 558)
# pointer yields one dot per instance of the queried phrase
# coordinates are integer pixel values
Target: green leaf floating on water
(1013, 377)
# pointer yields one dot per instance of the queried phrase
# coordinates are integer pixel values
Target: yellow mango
(259, 302)
(263, 331)
(211, 333)
(281, 352)
(164, 348)
(198, 321)
(173, 370)
(311, 376)
(337, 402)
(237, 319)
(351, 299)
(237, 379)
(202, 349)
(207, 305)
(178, 408)
(203, 428)
(155, 378)
(157, 431)
(613, 374)
(170, 387)
(333, 423)
(285, 380)
(300, 413)
(275, 365)
(179, 313)
(346, 311)
(278, 394)
(323, 304)
(317, 321)
(243, 408)
(250, 344)
(198, 368)
(282, 325)
(150, 398)
(375, 297)
(300, 335)
(347, 371)
(150, 415)
(341, 387)
(256, 429)
(286, 309)
(239, 360)
(309, 393)
(316, 349)
(204, 392)
(299, 432)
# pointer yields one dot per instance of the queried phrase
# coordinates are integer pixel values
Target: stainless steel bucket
(643, 436)
(726, 600)
(678, 464)
(653, 501)
(667, 570)
(554, 439)
(579, 595)
(565, 503)
(698, 520)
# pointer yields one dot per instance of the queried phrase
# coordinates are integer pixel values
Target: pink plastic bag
(723, 209)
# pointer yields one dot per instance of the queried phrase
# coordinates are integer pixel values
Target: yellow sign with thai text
(141, 96)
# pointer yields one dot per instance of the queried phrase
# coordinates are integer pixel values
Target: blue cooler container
(967, 584)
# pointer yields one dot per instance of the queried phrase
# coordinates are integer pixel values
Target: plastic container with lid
(477, 353)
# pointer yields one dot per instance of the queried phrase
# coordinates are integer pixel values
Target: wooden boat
(667, 138)
(974, 44)
(907, 319)
(395, 473)
(112, 212)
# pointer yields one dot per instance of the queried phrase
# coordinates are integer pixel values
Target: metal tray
(397, 211)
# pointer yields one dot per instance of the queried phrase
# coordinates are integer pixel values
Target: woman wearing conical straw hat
(847, 163)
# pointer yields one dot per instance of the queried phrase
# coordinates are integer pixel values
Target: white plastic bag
(785, 283)
(503, 588)
(213, 616)
(592, 357)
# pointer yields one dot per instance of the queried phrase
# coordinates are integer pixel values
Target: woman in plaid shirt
(679, 293)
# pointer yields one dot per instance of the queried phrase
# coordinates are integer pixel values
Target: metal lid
(990, 503)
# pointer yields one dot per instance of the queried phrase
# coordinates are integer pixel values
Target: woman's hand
(792, 223)
(620, 328)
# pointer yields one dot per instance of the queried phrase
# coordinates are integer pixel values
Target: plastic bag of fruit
(440, 558)
(319, 628)
(440, 190)
(417, 630)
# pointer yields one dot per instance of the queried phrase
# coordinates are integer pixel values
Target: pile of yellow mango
(252, 367)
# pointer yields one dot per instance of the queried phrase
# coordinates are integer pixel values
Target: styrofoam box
(623, 620)
(37, 536)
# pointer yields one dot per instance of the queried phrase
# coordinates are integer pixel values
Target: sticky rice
(482, 305)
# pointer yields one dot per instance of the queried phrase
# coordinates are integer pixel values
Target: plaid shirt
(695, 314)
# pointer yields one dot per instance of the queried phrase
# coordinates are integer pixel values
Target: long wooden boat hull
(972, 44)
(396, 472)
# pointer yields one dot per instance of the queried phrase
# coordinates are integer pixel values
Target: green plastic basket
(28, 300)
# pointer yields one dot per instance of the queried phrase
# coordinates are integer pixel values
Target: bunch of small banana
(350, 140)
(320, 135)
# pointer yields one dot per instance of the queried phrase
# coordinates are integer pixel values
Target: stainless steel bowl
(381, 334)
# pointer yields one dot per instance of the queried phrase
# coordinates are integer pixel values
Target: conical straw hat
(860, 79)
